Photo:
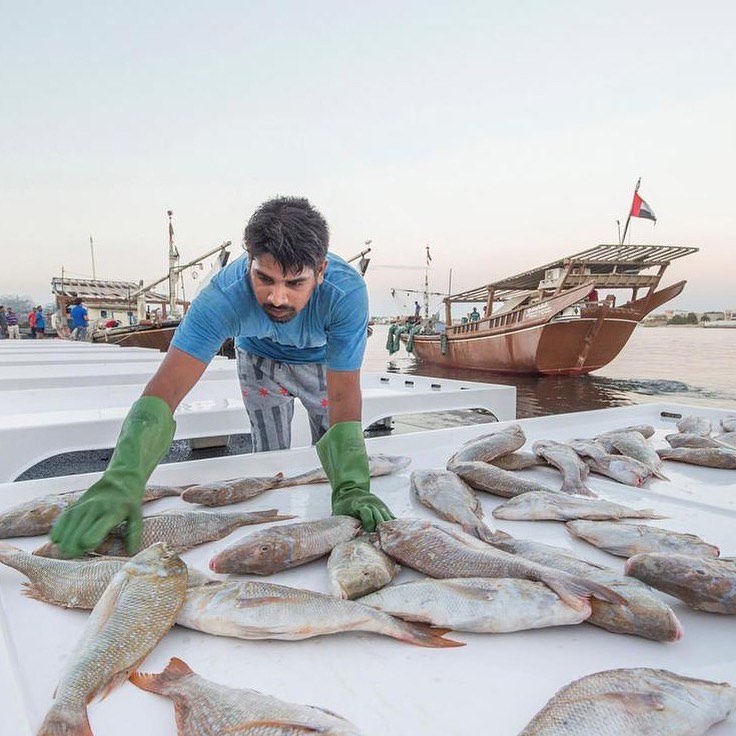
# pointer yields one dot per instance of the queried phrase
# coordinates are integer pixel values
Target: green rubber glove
(145, 438)
(342, 454)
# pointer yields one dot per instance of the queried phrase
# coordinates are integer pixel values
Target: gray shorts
(269, 389)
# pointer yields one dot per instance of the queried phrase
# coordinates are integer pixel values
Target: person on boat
(299, 317)
(32, 323)
(474, 315)
(417, 310)
(80, 319)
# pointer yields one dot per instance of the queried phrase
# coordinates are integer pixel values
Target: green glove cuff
(145, 438)
(342, 452)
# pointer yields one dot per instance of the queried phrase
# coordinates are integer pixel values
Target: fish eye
(265, 548)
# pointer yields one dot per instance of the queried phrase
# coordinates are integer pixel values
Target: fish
(135, 612)
(72, 583)
(707, 457)
(645, 430)
(727, 439)
(489, 446)
(565, 459)
(692, 424)
(481, 605)
(728, 424)
(204, 707)
(562, 507)
(688, 439)
(357, 567)
(635, 445)
(621, 468)
(442, 551)
(453, 500)
(634, 701)
(625, 540)
(517, 461)
(222, 493)
(485, 477)
(642, 613)
(704, 584)
(282, 547)
(258, 610)
(37, 516)
(180, 530)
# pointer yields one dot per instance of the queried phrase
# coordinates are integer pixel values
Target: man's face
(282, 296)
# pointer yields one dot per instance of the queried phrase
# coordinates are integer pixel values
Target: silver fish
(204, 707)
(489, 446)
(621, 468)
(565, 459)
(634, 701)
(447, 494)
(645, 430)
(702, 583)
(517, 461)
(635, 445)
(282, 547)
(221, 493)
(692, 424)
(482, 605)
(625, 540)
(642, 612)
(707, 457)
(136, 610)
(180, 530)
(563, 507)
(357, 567)
(71, 583)
(38, 515)
(485, 477)
(726, 439)
(443, 551)
(257, 610)
(688, 439)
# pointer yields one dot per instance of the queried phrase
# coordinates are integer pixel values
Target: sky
(503, 135)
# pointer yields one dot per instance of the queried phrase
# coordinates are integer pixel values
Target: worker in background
(299, 316)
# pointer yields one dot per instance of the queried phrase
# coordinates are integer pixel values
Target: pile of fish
(474, 579)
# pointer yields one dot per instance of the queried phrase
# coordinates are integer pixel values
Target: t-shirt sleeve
(348, 331)
(209, 320)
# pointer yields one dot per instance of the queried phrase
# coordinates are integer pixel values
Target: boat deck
(495, 684)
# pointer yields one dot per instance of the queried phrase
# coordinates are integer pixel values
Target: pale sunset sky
(503, 135)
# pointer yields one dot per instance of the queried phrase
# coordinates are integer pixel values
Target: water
(690, 365)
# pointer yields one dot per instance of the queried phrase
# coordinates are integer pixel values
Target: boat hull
(156, 337)
(560, 346)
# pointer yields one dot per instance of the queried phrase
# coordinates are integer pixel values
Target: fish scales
(136, 610)
(634, 701)
(707, 457)
(282, 547)
(258, 610)
(207, 708)
(487, 447)
(491, 479)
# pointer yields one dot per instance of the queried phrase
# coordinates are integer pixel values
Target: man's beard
(279, 315)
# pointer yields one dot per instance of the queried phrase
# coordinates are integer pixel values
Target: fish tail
(422, 635)
(572, 589)
(651, 514)
(486, 534)
(159, 682)
(64, 721)
(659, 474)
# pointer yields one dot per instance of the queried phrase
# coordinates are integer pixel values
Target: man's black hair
(291, 231)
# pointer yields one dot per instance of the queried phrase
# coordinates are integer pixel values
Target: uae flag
(639, 208)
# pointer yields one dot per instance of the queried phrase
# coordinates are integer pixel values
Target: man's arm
(344, 400)
(176, 377)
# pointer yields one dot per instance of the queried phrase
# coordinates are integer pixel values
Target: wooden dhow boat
(551, 320)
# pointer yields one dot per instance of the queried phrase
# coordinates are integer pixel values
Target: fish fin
(650, 514)
(260, 517)
(31, 591)
(659, 474)
(114, 682)
(571, 594)
(422, 635)
(63, 722)
(486, 534)
(157, 682)
(467, 591)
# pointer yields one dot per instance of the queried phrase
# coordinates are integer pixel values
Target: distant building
(110, 300)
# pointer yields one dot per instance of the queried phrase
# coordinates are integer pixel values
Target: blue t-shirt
(40, 322)
(332, 327)
(78, 314)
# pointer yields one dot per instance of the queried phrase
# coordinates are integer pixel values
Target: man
(474, 315)
(13, 328)
(79, 317)
(40, 322)
(3, 323)
(299, 318)
(32, 322)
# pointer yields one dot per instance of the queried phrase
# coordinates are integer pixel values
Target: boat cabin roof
(612, 266)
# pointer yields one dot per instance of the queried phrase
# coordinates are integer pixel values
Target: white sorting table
(494, 685)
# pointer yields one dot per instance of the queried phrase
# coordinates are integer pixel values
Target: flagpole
(426, 285)
(628, 219)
